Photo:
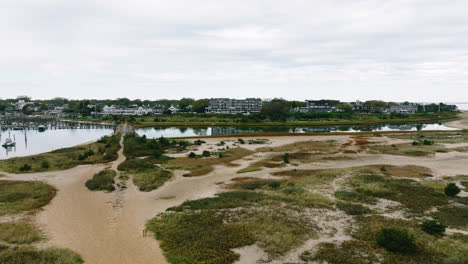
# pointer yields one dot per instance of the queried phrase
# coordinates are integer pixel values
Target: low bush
(45, 164)
(396, 240)
(25, 167)
(433, 227)
(286, 157)
(451, 190)
(192, 155)
(102, 181)
(206, 153)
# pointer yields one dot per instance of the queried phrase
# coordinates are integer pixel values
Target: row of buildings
(215, 106)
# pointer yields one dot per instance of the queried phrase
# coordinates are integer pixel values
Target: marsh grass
(409, 193)
(146, 175)
(203, 166)
(19, 233)
(19, 196)
(151, 180)
(205, 230)
(440, 137)
(30, 255)
(104, 150)
(453, 216)
(318, 147)
(249, 169)
(407, 149)
(102, 181)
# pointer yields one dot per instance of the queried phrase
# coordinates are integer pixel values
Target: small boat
(41, 128)
(17, 128)
(9, 143)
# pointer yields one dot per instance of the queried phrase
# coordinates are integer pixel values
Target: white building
(234, 106)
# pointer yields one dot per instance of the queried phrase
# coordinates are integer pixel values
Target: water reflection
(209, 131)
(34, 136)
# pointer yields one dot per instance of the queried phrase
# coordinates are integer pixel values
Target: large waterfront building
(321, 106)
(234, 106)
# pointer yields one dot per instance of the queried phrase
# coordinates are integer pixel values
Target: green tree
(199, 106)
(276, 109)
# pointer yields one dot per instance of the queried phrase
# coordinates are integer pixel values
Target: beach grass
(20, 196)
(19, 233)
(102, 181)
(30, 255)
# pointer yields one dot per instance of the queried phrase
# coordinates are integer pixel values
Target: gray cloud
(387, 49)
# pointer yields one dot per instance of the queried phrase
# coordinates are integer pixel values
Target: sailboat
(8, 143)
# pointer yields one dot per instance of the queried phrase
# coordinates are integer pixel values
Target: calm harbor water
(31, 141)
(212, 131)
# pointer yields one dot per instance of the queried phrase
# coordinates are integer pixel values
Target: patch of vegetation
(353, 209)
(146, 175)
(30, 255)
(104, 150)
(453, 216)
(102, 181)
(19, 196)
(459, 236)
(135, 146)
(210, 227)
(355, 197)
(151, 180)
(286, 158)
(349, 252)
(19, 233)
(433, 227)
(199, 167)
(406, 149)
(396, 240)
(410, 193)
(451, 190)
(249, 169)
(317, 147)
(199, 237)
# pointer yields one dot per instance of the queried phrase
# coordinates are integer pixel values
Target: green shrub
(192, 155)
(45, 164)
(286, 157)
(198, 142)
(396, 240)
(206, 153)
(25, 167)
(433, 227)
(451, 190)
(102, 181)
(241, 141)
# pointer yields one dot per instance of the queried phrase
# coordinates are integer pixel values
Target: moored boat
(8, 143)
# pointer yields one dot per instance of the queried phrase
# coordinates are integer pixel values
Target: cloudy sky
(346, 49)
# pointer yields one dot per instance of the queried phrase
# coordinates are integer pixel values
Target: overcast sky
(296, 49)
